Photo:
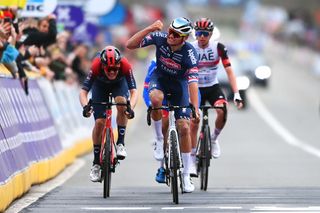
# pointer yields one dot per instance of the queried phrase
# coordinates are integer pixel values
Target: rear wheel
(174, 166)
(107, 166)
(205, 157)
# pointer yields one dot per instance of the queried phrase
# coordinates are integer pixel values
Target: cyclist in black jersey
(110, 73)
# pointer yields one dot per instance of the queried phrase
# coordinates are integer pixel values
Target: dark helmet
(182, 25)
(204, 24)
(110, 56)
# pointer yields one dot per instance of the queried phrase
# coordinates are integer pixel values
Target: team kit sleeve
(223, 53)
(153, 39)
(192, 66)
(127, 72)
(93, 73)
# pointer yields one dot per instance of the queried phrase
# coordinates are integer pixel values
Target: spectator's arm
(13, 37)
(2, 32)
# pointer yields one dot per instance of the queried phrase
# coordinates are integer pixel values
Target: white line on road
(38, 191)
(275, 208)
(163, 208)
(115, 208)
(288, 137)
(201, 207)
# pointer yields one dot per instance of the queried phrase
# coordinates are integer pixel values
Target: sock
(157, 125)
(186, 159)
(161, 163)
(121, 134)
(215, 134)
(96, 154)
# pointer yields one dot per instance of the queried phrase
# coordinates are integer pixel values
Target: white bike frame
(173, 128)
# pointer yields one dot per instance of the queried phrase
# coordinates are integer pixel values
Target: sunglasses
(175, 34)
(202, 33)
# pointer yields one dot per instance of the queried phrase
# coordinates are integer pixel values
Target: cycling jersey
(97, 75)
(174, 70)
(180, 65)
(209, 59)
(101, 86)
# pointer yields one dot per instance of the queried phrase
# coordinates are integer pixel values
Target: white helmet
(182, 25)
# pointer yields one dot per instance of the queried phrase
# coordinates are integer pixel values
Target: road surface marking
(201, 207)
(115, 208)
(38, 191)
(288, 137)
(285, 209)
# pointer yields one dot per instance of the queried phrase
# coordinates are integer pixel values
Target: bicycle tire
(174, 166)
(107, 166)
(205, 158)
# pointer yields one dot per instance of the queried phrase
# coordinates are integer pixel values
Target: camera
(7, 19)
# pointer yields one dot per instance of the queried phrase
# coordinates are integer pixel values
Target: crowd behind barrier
(41, 133)
(42, 130)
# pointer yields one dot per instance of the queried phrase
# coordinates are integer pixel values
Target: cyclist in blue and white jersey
(176, 73)
(210, 54)
(160, 176)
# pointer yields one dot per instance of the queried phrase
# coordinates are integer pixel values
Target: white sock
(186, 159)
(161, 163)
(157, 125)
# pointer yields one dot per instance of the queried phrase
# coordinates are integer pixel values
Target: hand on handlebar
(195, 114)
(197, 118)
(129, 112)
(238, 100)
(87, 110)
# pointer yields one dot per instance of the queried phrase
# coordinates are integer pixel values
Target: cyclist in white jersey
(210, 54)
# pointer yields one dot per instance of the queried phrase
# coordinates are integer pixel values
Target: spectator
(9, 52)
(44, 35)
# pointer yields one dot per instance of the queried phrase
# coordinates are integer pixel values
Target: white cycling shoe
(121, 152)
(95, 174)
(215, 149)
(158, 149)
(188, 186)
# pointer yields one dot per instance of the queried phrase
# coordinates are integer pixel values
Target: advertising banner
(28, 130)
(69, 16)
(39, 8)
(13, 151)
(5, 170)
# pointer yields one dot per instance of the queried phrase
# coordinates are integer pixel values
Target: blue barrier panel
(5, 170)
(9, 124)
(26, 123)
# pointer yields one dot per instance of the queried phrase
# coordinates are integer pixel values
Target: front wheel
(174, 166)
(107, 165)
(205, 156)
